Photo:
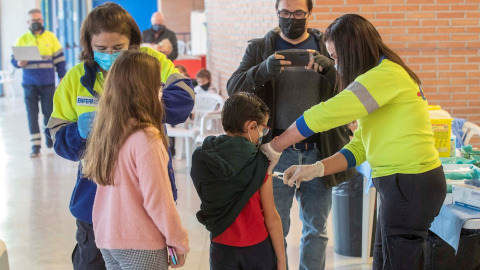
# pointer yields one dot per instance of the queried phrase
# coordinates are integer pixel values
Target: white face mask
(260, 137)
(336, 67)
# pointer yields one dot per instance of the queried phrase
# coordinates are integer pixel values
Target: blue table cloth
(448, 224)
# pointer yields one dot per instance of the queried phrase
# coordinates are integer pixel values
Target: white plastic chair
(204, 103)
(188, 48)
(6, 78)
(181, 47)
(210, 125)
(469, 130)
(3, 256)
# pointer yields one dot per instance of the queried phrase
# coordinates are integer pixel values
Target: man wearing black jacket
(157, 34)
(289, 91)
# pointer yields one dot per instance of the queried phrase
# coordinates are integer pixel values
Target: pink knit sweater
(139, 212)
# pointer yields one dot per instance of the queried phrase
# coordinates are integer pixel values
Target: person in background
(394, 135)
(127, 156)
(107, 32)
(182, 69)
(288, 92)
(39, 76)
(156, 35)
(204, 80)
(237, 206)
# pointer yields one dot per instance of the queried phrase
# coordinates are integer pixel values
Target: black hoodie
(252, 76)
(226, 172)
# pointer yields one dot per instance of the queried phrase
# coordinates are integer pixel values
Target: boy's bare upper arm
(266, 198)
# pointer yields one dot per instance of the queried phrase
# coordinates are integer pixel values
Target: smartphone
(173, 255)
(297, 57)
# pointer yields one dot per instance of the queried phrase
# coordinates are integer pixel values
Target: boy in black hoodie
(230, 176)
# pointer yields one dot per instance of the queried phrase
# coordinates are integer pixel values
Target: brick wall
(230, 24)
(177, 15)
(438, 39)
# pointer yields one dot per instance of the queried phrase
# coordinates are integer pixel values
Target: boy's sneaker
(35, 151)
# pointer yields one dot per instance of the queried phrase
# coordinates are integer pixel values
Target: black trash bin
(347, 201)
(439, 255)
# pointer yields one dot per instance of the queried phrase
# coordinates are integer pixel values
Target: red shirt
(248, 229)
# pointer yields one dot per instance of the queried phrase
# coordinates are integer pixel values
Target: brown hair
(240, 108)
(359, 48)
(204, 73)
(129, 103)
(182, 69)
(110, 18)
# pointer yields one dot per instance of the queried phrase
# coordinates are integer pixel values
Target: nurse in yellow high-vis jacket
(107, 31)
(39, 76)
(394, 135)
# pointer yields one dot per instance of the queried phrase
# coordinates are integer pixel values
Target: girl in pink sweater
(134, 214)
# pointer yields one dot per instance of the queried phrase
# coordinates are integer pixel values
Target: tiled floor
(39, 230)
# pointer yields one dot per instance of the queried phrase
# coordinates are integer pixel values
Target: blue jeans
(34, 94)
(315, 203)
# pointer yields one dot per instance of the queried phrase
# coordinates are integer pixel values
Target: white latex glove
(299, 173)
(271, 154)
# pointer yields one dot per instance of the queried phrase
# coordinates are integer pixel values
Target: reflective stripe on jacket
(42, 72)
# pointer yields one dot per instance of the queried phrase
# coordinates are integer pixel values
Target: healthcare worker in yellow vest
(107, 31)
(39, 76)
(394, 135)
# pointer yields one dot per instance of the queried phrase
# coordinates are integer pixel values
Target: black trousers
(86, 255)
(408, 205)
(34, 94)
(257, 257)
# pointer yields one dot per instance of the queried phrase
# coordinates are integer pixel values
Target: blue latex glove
(85, 123)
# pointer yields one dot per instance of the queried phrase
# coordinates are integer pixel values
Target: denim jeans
(34, 94)
(315, 202)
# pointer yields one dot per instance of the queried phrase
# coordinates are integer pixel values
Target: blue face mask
(158, 27)
(105, 60)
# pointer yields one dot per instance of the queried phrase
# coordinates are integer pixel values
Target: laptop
(27, 53)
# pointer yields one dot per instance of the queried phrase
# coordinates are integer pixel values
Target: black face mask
(158, 28)
(36, 26)
(292, 28)
(205, 86)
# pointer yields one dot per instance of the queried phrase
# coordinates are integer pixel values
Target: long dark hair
(129, 103)
(110, 18)
(358, 46)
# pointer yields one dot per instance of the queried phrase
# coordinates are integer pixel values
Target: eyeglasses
(266, 129)
(297, 14)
